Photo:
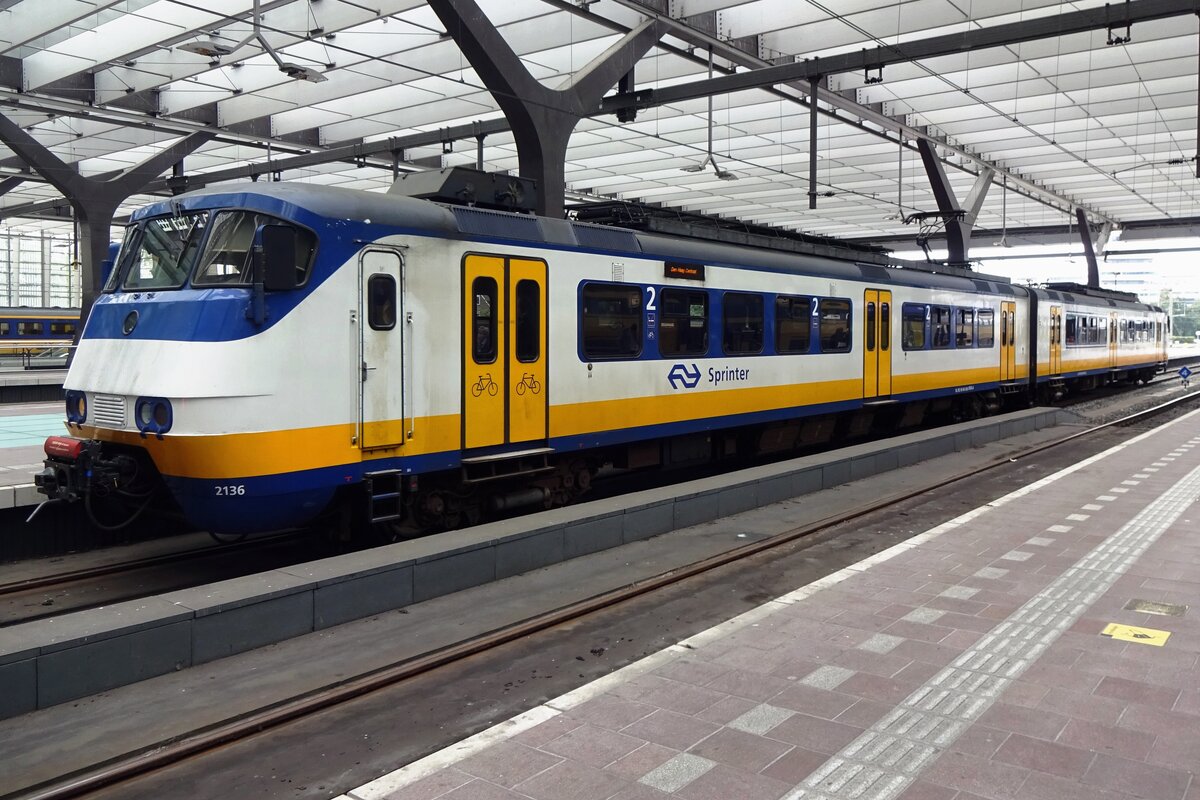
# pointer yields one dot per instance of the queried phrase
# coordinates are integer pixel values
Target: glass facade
(36, 270)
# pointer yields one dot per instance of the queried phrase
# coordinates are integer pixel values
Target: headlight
(153, 415)
(76, 406)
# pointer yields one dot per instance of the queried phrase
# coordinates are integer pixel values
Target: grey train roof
(463, 221)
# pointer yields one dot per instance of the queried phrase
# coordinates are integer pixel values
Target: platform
(23, 429)
(976, 660)
(30, 385)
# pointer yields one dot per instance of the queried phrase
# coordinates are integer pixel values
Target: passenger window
(4, 328)
(912, 326)
(743, 323)
(986, 320)
(529, 323)
(885, 326)
(684, 326)
(29, 328)
(611, 321)
(381, 302)
(483, 320)
(793, 324)
(939, 322)
(835, 326)
(964, 331)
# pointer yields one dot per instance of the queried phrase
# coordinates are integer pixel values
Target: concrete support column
(542, 119)
(93, 200)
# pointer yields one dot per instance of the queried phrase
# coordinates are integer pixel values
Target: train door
(877, 343)
(1008, 341)
(505, 367)
(381, 422)
(1112, 340)
(1056, 339)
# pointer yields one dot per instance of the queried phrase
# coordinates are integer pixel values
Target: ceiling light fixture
(211, 48)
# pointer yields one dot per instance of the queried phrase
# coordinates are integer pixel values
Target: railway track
(140, 764)
(77, 589)
(71, 590)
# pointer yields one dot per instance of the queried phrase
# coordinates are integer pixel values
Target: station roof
(1103, 118)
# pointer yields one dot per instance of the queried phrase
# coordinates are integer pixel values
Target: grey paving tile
(677, 773)
(827, 677)
(881, 643)
(760, 719)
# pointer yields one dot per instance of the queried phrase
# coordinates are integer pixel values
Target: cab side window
(381, 302)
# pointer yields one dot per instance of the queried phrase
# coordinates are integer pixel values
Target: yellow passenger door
(1008, 341)
(1056, 339)
(877, 344)
(504, 351)
(1113, 356)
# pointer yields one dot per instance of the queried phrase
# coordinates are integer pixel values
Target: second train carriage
(267, 351)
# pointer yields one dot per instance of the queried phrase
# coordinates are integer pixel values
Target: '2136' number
(230, 490)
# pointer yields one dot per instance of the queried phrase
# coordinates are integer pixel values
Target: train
(25, 329)
(273, 355)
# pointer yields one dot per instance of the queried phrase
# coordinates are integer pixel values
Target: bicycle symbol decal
(530, 383)
(485, 382)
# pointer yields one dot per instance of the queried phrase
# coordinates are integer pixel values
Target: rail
(256, 722)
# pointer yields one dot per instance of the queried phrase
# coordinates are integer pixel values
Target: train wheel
(437, 510)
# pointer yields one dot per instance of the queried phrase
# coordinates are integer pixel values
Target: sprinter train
(270, 355)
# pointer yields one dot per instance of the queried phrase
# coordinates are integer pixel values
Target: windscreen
(164, 253)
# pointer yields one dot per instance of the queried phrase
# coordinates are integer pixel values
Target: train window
(743, 323)
(381, 302)
(793, 324)
(165, 252)
(912, 326)
(1072, 329)
(835, 325)
(985, 318)
(4, 328)
(885, 326)
(612, 321)
(29, 329)
(127, 248)
(964, 327)
(227, 256)
(483, 320)
(62, 327)
(870, 337)
(529, 322)
(684, 326)
(939, 323)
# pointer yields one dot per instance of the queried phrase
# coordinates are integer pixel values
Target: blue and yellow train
(26, 329)
(267, 353)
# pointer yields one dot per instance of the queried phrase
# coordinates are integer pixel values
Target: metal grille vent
(108, 410)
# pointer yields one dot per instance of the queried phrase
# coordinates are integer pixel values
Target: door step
(384, 499)
(479, 469)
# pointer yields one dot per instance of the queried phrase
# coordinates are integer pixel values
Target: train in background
(266, 356)
(25, 329)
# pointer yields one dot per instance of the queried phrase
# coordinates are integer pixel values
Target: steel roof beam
(542, 119)
(94, 201)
